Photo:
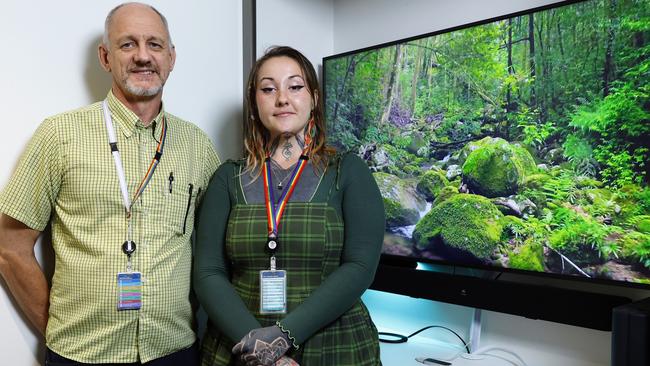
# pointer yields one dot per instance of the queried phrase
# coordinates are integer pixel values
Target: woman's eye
(296, 87)
(267, 90)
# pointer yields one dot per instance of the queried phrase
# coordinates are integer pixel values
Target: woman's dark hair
(257, 137)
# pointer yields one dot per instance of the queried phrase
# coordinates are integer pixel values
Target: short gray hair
(109, 19)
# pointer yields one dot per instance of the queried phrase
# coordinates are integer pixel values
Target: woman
(289, 238)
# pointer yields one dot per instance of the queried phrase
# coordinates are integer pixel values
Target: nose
(142, 55)
(280, 98)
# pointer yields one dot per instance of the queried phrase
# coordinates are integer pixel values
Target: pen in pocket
(189, 202)
(171, 180)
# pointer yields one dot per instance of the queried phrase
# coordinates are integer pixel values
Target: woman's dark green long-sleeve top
(353, 193)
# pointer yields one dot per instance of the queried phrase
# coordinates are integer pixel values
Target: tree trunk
(394, 75)
(340, 92)
(531, 60)
(608, 67)
(416, 75)
(510, 68)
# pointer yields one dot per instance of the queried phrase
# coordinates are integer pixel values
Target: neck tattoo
(286, 150)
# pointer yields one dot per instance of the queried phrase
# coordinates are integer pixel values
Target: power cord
(400, 338)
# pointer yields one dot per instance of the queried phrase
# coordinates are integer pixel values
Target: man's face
(139, 53)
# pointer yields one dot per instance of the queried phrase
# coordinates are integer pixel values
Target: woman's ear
(314, 99)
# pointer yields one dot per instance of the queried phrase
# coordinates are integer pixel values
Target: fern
(579, 153)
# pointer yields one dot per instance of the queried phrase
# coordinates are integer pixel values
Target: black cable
(402, 338)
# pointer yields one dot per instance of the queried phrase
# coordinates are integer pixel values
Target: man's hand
(21, 271)
(262, 346)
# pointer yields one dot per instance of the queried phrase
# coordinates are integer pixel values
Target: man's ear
(172, 52)
(102, 54)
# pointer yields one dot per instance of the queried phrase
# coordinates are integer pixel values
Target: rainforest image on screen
(522, 143)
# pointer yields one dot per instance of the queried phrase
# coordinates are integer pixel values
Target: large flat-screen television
(514, 144)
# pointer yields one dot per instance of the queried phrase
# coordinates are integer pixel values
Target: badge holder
(273, 286)
(129, 283)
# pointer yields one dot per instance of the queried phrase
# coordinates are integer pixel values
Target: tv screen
(516, 144)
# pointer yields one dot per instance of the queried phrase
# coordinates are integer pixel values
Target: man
(118, 181)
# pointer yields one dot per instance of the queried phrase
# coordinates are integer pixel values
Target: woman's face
(283, 100)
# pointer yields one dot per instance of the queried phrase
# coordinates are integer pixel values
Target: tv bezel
(391, 260)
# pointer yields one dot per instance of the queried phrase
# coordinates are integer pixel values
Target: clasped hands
(264, 347)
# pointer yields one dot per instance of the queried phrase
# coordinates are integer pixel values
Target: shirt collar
(127, 120)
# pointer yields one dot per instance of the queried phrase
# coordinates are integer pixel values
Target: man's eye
(155, 45)
(127, 45)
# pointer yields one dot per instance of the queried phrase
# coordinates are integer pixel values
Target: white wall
(303, 25)
(49, 65)
(363, 23)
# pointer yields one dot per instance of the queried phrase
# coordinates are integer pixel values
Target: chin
(142, 91)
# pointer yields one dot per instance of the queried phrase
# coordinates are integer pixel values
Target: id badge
(273, 292)
(129, 290)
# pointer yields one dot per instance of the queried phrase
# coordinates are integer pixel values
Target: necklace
(274, 169)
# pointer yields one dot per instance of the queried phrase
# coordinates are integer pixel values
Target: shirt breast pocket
(180, 205)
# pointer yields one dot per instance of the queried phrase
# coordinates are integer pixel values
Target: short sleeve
(31, 191)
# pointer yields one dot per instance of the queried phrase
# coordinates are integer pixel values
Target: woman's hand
(262, 346)
(286, 361)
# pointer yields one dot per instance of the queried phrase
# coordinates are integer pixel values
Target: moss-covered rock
(401, 203)
(498, 168)
(536, 181)
(513, 228)
(431, 182)
(464, 225)
(411, 170)
(579, 241)
(599, 203)
(643, 226)
(417, 144)
(630, 243)
(471, 147)
(597, 195)
(636, 248)
(633, 200)
(529, 256)
(444, 194)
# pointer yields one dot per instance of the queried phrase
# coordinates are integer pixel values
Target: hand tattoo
(262, 346)
(267, 353)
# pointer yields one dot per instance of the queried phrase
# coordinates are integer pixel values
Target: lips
(283, 114)
(143, 71)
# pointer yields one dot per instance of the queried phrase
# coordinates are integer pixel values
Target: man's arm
(21, 271)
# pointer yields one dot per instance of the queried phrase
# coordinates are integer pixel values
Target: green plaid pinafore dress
(311, 244)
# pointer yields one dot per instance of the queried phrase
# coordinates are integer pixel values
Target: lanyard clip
(272, 244)
(272, 263)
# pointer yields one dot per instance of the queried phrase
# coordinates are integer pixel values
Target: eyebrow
(132, 37)
(290, 77)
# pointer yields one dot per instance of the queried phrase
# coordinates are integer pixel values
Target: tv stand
(579, 308)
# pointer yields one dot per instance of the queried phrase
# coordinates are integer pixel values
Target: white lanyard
(112, 140)
(129, 246)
